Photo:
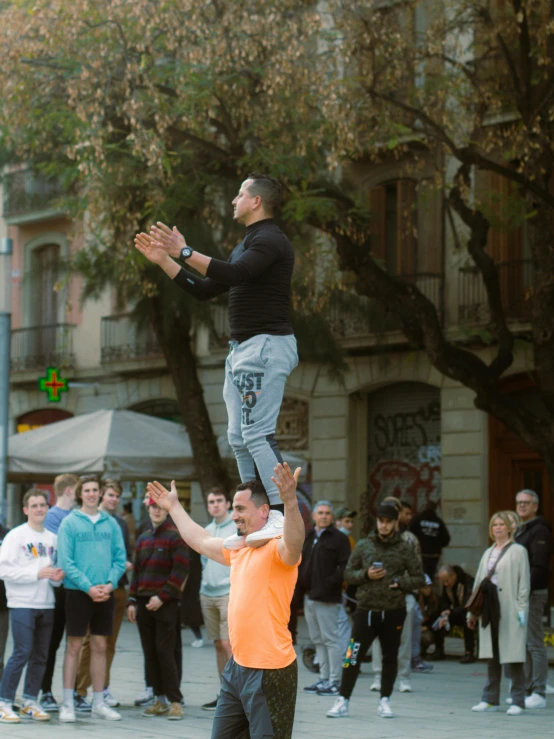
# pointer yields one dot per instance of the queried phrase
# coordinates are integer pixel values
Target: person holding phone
(384, 568)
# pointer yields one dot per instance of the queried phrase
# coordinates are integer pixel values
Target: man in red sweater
(160, 571)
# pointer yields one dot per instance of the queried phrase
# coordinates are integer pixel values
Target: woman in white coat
(504, 642)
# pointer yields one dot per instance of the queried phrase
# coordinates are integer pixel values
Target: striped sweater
(161, 564)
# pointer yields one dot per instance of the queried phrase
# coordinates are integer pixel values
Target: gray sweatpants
(536, 667)
(256, 371)
(323, 625)
(405, 651)
(255, 704)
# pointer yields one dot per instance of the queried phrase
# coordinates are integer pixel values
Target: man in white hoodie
(28, 567)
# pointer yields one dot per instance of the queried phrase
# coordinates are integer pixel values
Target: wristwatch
(186, 253)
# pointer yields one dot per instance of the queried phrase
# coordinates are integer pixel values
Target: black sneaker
(81, 704)
(467, 659)
(210, 706)
(48, 703)
(331, 690)
(316, 687)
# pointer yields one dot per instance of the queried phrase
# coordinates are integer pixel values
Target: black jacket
(324, 559)
(454, 599)
(431, 532)
(536, 537)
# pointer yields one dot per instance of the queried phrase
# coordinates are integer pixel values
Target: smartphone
(377, 565)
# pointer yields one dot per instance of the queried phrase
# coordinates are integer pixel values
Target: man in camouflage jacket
(384, 568)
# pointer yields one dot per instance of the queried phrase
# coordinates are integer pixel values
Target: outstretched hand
(150, 248)
(163, 497)
(286, 481)
(170, 240)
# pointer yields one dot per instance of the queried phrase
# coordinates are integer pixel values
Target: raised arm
(294, 532)
(198, 288)
(194, 535)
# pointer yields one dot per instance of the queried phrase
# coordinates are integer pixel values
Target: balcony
(515, 277)
(366, 316)
(122, 340)
(39, 347)
(26, 192)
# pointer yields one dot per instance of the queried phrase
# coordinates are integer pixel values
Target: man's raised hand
(161, 496)
(171, 240)
(286, 481)
(150, 248)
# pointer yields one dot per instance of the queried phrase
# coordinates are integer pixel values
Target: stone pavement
(439, 707)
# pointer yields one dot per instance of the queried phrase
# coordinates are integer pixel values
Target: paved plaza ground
(439, 707)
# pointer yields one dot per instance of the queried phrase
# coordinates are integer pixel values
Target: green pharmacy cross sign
(53, 385)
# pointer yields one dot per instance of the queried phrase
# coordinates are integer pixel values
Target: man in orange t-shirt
(258, 691)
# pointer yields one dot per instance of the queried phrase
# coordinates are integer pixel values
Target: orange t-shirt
(259, 607)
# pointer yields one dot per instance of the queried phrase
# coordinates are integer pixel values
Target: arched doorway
(512, 464)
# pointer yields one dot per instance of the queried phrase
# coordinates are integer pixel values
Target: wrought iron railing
(38, 347)
(367, 317)
(515, 278)
(25, 191)
(123, 339)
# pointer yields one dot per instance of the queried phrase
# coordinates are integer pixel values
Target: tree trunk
(181, 362)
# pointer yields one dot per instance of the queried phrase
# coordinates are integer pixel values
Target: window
(393, 208)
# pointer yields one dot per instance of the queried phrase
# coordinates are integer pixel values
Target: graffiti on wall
(404, 446)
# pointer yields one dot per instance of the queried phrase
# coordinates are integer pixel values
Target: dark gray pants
(256, 704)
(536, 669)
(516, 671)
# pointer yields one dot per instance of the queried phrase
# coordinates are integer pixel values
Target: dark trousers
(158, 636)
(515, 670)
(368, 625)
(255, 703)
(469, 634)
(430, 563)
(55, 639)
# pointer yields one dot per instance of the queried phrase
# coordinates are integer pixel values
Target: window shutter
(377, 208)
(406, 224)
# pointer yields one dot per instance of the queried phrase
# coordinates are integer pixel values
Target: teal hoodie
(90, 553)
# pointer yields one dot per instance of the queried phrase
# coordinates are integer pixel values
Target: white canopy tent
(122, 444)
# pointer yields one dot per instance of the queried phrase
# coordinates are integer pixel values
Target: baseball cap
(344, 512)
(385, 510)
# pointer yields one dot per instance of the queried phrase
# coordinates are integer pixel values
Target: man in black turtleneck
(263, 352)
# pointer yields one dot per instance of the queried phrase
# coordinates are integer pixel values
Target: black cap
(386, 510)
(344, 512)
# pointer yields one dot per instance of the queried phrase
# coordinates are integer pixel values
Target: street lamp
(6, 248)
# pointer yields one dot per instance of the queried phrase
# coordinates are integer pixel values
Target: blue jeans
(31, 631)
(255, 375)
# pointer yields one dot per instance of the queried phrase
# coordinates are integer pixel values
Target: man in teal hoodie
(90, 545)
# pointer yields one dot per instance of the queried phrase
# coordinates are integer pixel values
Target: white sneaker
(146, 699)
(514, 710)
(234, 542)
(340, 708)
(404, 686)
(549, 689)
(104, 711)
(273, 527)
(32, 710)
(7, 714)
(67, 714)
(197, 643)
(376, 684)
(384, 710)
(109, 700)
(483, 707)
(535, 701)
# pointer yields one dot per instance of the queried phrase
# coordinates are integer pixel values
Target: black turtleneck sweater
(257, 275)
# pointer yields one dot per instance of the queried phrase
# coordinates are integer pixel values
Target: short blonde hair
(506, 517)
(514, 518)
